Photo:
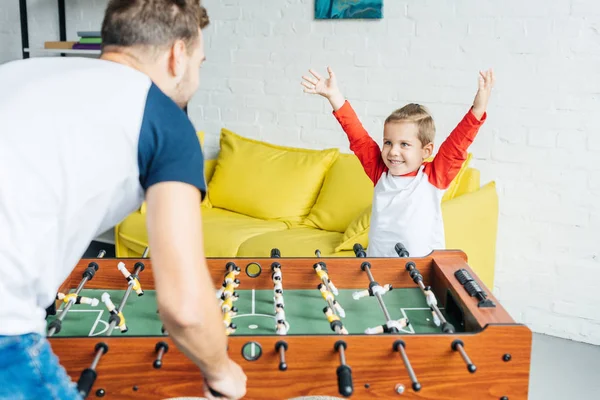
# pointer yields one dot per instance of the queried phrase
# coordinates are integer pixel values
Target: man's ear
(177, 59)
(427, 150)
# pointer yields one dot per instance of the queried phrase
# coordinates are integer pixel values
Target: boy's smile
(402, 151)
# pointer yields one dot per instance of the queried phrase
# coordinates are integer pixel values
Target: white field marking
(415, 309)
(100, 312)
(287, 324)
(253, 307)
(412, 330)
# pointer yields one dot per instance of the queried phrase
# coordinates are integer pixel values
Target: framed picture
(348, 9)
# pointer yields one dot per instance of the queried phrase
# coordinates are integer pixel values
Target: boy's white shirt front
(406, 209)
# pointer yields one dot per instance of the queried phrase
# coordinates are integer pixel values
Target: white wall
(538, 143)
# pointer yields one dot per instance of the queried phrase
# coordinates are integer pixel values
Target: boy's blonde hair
(420, 116)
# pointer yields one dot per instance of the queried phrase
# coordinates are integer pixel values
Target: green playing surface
(303, 311)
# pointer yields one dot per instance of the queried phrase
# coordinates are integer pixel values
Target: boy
(408, 190)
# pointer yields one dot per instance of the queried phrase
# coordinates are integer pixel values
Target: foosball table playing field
(361, 327)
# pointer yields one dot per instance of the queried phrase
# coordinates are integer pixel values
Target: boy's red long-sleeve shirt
(407, 209)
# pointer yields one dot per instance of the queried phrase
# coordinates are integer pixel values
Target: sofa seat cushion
(297, 242)
(346, 191)
(225, 231)
(267, 181)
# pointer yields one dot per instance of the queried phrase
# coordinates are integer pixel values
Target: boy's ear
(427, 150)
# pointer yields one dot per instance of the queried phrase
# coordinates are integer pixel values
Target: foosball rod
(88, 375)
(139, 267)
(87, 275)
(447, 327)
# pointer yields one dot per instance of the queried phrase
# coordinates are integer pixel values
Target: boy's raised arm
(363, 146)
(453, 152)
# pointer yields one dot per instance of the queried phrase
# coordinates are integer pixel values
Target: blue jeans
(30, 370)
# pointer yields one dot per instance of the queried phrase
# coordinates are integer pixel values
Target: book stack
(88, 41)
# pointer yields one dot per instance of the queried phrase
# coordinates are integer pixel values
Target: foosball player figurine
(231, 329)
(369, 292)
(228, 286)
(276, 275)
(227, 304)
(324, 277)
(277, 286)
(281, 327)
(114, 314)
(131, 279)
(227, 317)
(278, 298)
(328, 296)
(431, 301)
(390, 327)
(76, 299)
(334, 321)
(279, 312)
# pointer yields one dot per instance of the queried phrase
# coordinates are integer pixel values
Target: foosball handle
(86, 381)
(401, 250)
(359, 250)
(344, 374)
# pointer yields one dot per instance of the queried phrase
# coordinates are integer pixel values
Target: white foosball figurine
(281, 327)
(279, 312)
(113, 310)
(278, 298)
(130, 279)
(367, 292)
(77, 299)
(386, 328)
(432, 301)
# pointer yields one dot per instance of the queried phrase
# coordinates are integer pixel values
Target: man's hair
(152, 23)
(420, 116)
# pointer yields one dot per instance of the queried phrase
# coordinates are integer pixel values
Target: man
(82, 143)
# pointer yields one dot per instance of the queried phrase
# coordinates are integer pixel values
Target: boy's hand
(486, 83)
(325, 87)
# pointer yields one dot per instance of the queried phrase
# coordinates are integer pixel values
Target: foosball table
(361, 327)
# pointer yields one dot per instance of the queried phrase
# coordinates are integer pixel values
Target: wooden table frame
(498, 346)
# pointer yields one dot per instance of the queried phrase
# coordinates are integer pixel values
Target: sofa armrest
(471, 225)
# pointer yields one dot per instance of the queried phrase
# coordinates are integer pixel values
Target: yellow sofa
(262, 196)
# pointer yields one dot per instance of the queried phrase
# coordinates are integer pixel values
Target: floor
(563, 369)
(560, 369)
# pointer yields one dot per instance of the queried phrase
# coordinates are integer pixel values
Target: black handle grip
(344, 374)
(86, 381)
(359, 250)
(401, 250)
(275, 253)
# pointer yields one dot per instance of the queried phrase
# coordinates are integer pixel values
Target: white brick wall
(538, 144)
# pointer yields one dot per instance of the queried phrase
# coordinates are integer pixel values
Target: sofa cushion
(225, 231)
(453, 189)
(346, 191)
(357, 231)
(471, 225)
(267, 181)
(297, 242)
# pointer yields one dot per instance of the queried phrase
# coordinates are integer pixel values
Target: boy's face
(402, 150)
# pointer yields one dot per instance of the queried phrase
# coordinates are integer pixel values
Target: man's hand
(327, 88)
(232, 383)
(486, 83)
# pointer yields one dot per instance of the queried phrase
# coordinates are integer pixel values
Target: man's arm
(185, 292)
